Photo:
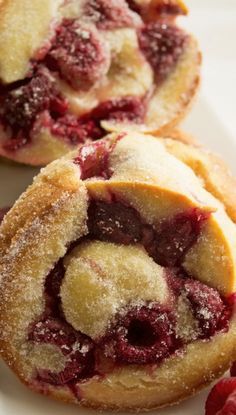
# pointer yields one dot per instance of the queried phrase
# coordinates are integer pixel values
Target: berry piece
(76, 130)
(109, 14)
(129, 108)
(93, 160)
(114, 222)
(208, 308)
(22, 105)
(79, 54)
(162, 45)
(143, 335)
(222, 398)
(77, 348)
(175, 237)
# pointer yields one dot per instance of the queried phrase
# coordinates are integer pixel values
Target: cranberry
(79, 54)
(114, 222)
(222, 398)
(93, 160)
(143, 335)
(76, 347)
(109, 14)
(208, 308)
(175, 237)
(162, 45)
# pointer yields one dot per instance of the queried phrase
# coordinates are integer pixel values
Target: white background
(214, 23)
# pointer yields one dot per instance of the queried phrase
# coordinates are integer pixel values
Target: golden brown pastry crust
(129, 75)
(53, 212)
(210, 168)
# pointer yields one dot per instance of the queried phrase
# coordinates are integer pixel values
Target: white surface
(214, 24)
(15, 399)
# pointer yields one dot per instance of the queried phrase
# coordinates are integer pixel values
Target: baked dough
(118, 273)
(71, 71)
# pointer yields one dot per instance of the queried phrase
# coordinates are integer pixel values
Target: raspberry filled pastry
(118, 278)
(70, 71)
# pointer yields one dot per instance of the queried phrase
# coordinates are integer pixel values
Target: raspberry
(162, 45)
(79, 54)
(129, 108)
(208, 308)
(114, 222)
(22, 105)
(109, 14)
(93, 160)
(175, 237)
(77, 348)
(143, 335)
(222, 398)
(77, 130)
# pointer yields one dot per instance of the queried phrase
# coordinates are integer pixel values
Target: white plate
(15, 399)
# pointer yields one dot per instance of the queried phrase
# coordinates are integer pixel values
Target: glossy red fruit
(143, 335)
(162, 45)
(208, 308)
(79, 54)
(114, 222)
(109, 14)
(76, 347)
(93, 160)
(222, 398)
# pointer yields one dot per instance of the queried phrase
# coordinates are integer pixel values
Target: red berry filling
(168, 245)
(109, 14)
(93, 160)
(88, 126)
(22, 105)
(79, 54)
(143, 335)
(222, 398)
(129, 108)
(176, 236)
(114, 222)
(162, 45)
(208, 308)
(77, 348)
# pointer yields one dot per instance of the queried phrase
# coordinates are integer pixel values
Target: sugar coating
(102, 279)
(98, 283)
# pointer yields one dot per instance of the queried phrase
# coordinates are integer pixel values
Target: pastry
(70, 71)
(118, 273)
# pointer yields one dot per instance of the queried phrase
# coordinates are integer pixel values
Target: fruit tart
(118, 278)
(70, 71)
